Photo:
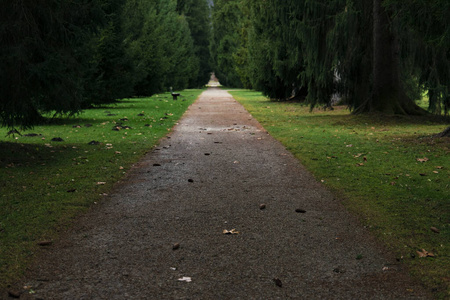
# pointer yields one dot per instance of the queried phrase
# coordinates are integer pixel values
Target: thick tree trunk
(388, 95)
(445, 133)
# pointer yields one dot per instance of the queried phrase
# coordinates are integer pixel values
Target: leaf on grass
(101, 183)
(434, 229)
(422, 159)
(424, 253)
(232, 231)
(360, 164)
(439, 167)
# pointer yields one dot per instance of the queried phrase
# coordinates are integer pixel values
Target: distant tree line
(378, 55)
(61, 56)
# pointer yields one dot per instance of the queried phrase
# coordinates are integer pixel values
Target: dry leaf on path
(278, 282)
(232, 231)
(187, 279)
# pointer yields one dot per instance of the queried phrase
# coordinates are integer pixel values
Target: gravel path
(213, 173)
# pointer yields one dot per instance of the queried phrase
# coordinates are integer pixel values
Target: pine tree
(197, 14)
(226, 24)
(43, 57)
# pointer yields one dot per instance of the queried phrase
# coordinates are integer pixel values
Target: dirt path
(212, 174)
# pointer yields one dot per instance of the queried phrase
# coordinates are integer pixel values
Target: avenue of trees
(378, 55)
(61, 56)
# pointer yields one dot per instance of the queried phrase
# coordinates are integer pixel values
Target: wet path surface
(213, 173)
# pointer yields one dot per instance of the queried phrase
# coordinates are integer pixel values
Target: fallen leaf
(262, 206)
(439, 167)
(434, 229)
(186, 279)
(424, 253)
(278, 282)
(360, 164)
(232, 231)
(176, 246)
(422, 159)
(101, 183)
(45, 243)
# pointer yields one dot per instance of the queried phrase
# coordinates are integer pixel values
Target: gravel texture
(160, 235)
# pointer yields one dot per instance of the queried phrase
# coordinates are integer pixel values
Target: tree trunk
(445, 133)
(388, 95)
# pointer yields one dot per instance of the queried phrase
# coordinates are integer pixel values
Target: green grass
(45, 184)
(373, 163)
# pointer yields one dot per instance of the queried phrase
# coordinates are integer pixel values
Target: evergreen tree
(179, 58)
(43, 57)
(226, 24)
(144, 45)
(110, 77)
(197, 13)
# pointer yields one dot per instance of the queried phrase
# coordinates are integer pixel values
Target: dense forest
(374, 55)
(59, 57)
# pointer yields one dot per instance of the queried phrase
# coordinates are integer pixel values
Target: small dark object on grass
(124, 119)
(94, 143)
(278, 282)
(45, 243)
(116, 128)
(87, 125)
(57, 139)
(111, 115)
(147, 125)
(435, 230)
(32, 134)
(140, 115)
(299, 210)
(72, 190)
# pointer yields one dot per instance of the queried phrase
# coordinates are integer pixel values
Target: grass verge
(389, 169)
(46, 182)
